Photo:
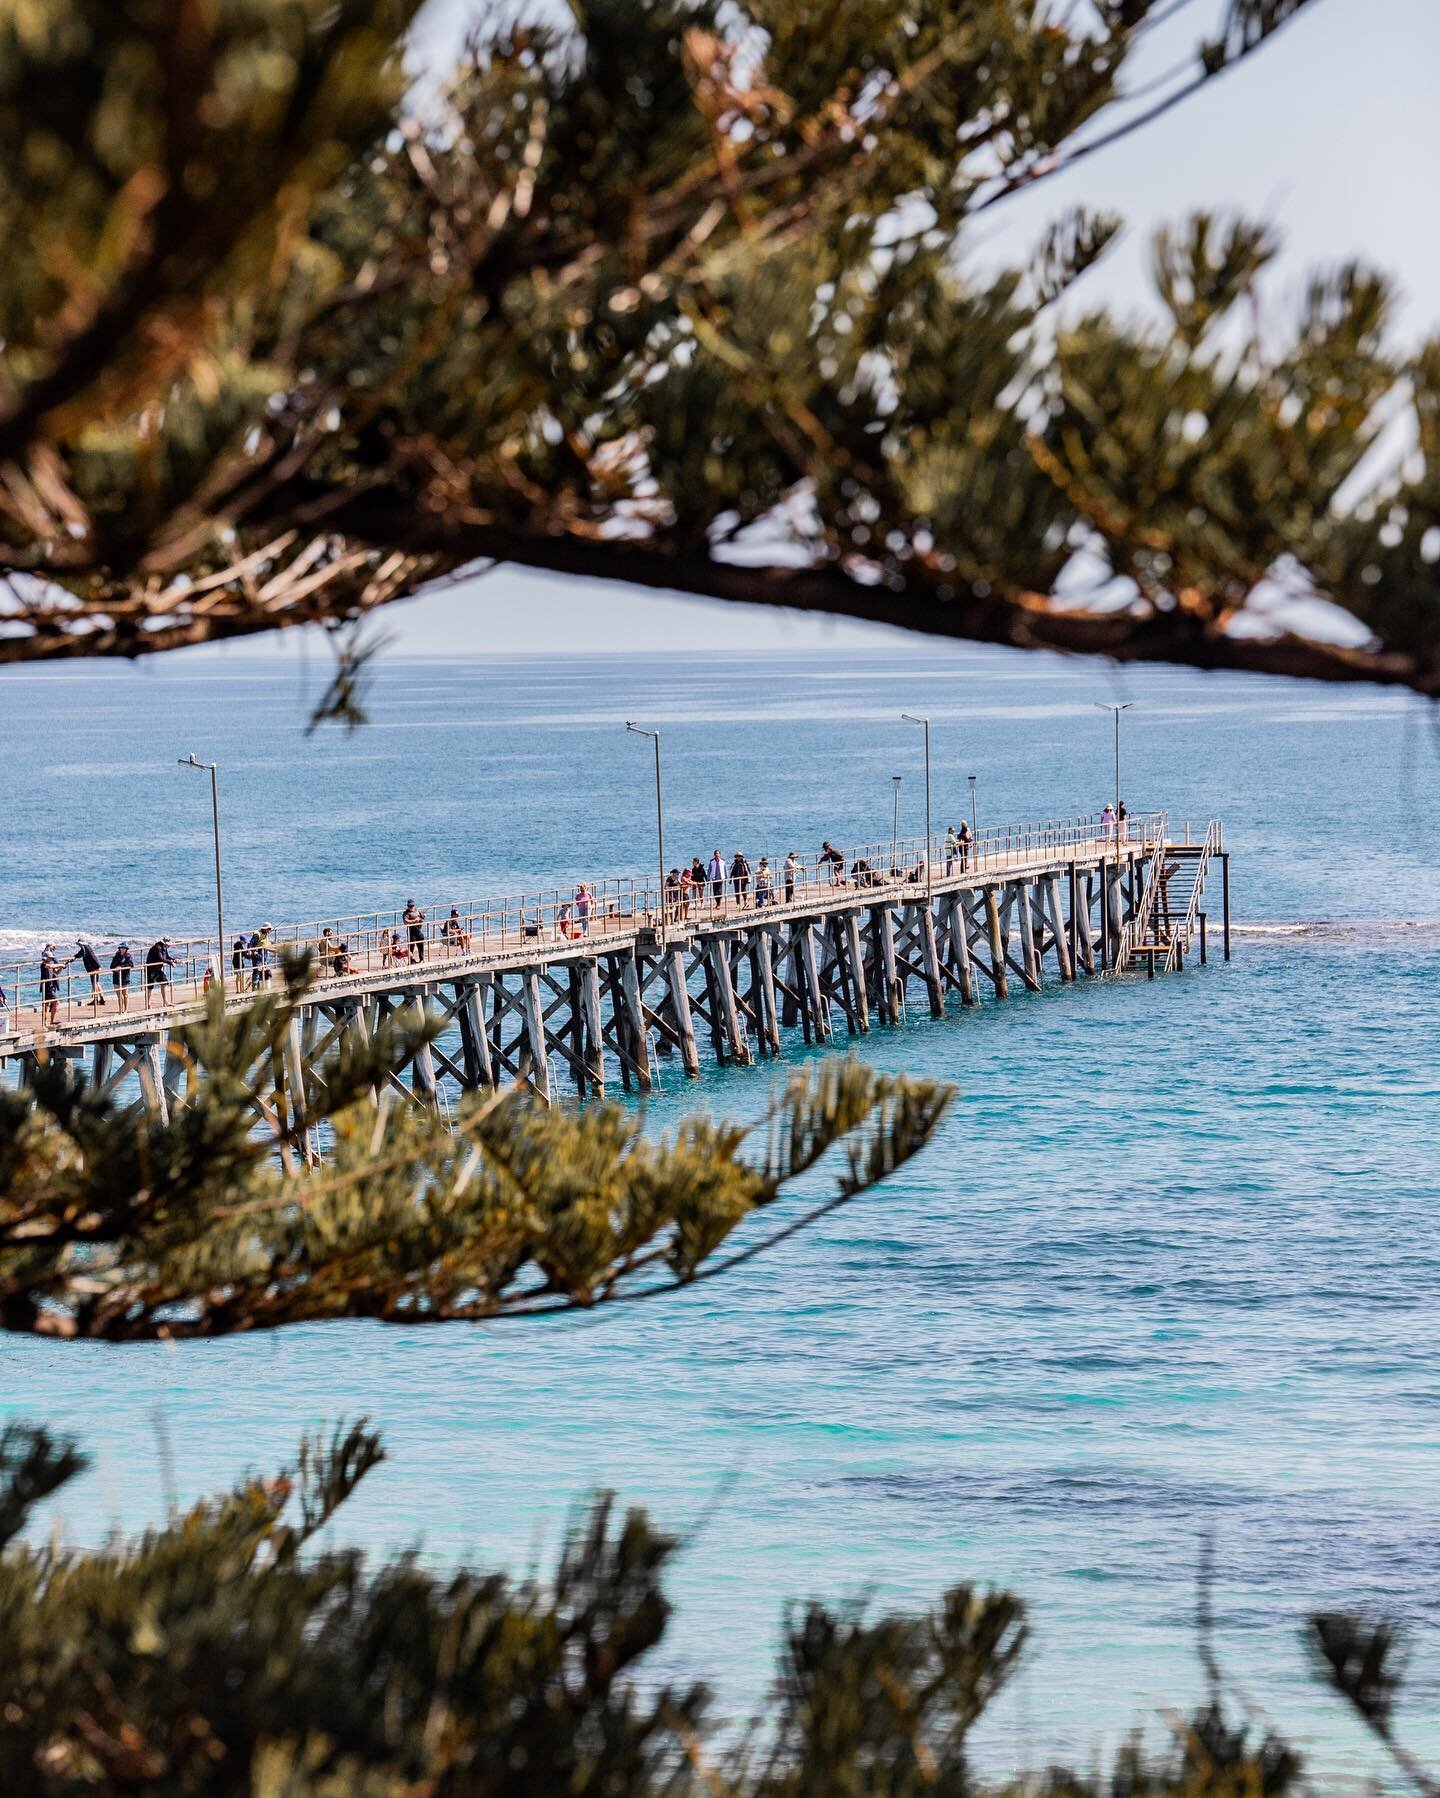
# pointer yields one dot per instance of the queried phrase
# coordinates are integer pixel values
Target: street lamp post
(895, 780)
(911, 718)
(1100, 706)
(654, 735)
(974, 818)
(189, 761)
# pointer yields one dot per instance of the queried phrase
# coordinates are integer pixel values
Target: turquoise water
(1171, 1269)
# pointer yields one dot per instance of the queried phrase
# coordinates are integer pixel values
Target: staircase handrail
(1180, 936)
(1135, 930)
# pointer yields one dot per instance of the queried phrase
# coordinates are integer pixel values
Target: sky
(1331, 133)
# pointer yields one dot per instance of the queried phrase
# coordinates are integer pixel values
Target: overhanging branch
(1028, 622)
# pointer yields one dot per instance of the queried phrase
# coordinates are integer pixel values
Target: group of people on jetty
(155, 967)
(694, 891)
(701, 888)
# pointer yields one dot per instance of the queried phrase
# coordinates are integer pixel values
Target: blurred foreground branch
(225, 1652)
(679, 295)
(120, 1225)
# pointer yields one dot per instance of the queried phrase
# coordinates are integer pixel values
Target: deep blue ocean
(1172, 1271)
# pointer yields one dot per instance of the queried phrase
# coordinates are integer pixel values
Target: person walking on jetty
(834, 861)
(965, 842)
(740, 878)
(687, 882)
(952, 849)
(158, 963)
(90, 961)
(697, 882)
(238, 972)
(584, 905)
(717, 880)
(1107, 822)
(49, 985)
(1122, 823)
(415, 923)
(122, 966)
(674, 887)
(792, 871)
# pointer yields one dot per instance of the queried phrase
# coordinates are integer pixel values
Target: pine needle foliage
(678, 294)
(117, 1224)
(236, 1649)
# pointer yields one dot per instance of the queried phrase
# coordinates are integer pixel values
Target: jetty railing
(546, 919)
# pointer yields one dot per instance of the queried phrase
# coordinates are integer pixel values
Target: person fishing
(90, 961)
(158, 963)
(414, 919)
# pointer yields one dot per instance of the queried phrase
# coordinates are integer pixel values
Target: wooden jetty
(596, 983)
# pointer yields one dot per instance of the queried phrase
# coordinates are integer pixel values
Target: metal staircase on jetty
(1168, 915)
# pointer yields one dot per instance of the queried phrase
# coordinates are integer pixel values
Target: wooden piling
(769, 1030)
(889, 973)
(474, 1043)
(425, 1087)
(634, 1014)
(857, 971)
(728, 1013)
(678, 993)
(960, 948)
(1063, 956)
(150, 1069)
(534, 1057)
(811, 988)
(997, 943)
(594, 1052)
(1104, 917)
(1030, 961)
(930, 961)
(294, 1054)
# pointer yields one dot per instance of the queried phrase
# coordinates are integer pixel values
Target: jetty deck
(528, 986)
